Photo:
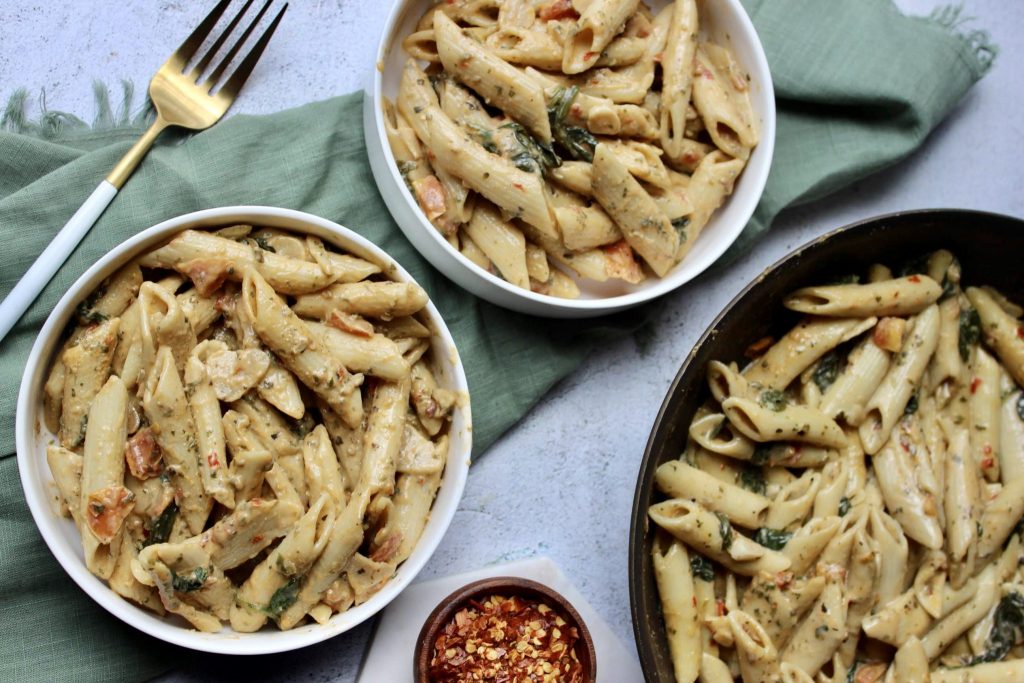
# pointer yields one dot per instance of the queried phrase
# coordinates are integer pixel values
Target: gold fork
(180, 100)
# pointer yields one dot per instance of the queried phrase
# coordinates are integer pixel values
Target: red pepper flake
(519, 186)
(694, 599)
(720, 607)
(914, 278)
(975, 383)
(506, 639)
(987, 463)
(257, 538)
(588, 55)
(212, 461)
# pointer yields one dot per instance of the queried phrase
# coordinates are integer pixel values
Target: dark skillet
(990, 248)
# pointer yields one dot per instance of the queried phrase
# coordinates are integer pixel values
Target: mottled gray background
(561, 483)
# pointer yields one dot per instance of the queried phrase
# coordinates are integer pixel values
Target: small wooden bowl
(506, 586)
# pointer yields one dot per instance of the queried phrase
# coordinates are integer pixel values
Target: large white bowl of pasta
(570, 159)
(244, 430)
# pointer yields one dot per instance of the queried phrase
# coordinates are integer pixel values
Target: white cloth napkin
(390, 655)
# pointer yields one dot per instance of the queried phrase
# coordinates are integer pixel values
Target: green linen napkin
(859, 86)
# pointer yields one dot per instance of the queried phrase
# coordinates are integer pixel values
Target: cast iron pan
(989, 246)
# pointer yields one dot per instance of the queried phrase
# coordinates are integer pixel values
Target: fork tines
(188, 50)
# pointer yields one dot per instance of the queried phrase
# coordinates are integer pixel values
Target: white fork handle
(53, 257)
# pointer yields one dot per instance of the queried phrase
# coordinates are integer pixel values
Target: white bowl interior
(726, 23)
(62, 537)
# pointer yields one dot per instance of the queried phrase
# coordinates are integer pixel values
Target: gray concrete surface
(561, 482)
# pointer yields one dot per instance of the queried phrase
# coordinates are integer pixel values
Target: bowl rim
(499, 288)
(515, 585)
(639, 528)
(227, 641)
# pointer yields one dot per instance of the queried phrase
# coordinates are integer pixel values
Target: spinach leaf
(827, 371)
(911, 405)
(84, 311)
(577, 142)
(532, 156)
(772, 399)
(283, 598)
(948, 285)
(701, 567)
(774, 539)
(970, 331)
(485, 137)
(192, 581)
(680, 225)
(160, 528)
(844, 506)
(725, 530)
(762, 454)
(752, 479)
(915, 266)
(262, 243)
(1007, 629)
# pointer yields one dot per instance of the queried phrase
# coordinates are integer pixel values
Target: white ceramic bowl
(726, 22)
(62, 537)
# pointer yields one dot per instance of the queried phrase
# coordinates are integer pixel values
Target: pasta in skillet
(545, 138)
(248, 428)
(849, 505)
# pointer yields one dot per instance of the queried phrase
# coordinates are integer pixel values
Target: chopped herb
(820, 632)
(680, 225)
(911, 405)
(283, 598)
(725, 530)
(192, 581)
(844, 506)
(160, 528)
(970, 330)
(578, 142)
(827, 371)
(752, 479)
(262, 243)
(1007, 629)
(979, 529)
(1020, 406)
(772, 399)
(774, 539)
(702, 567)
